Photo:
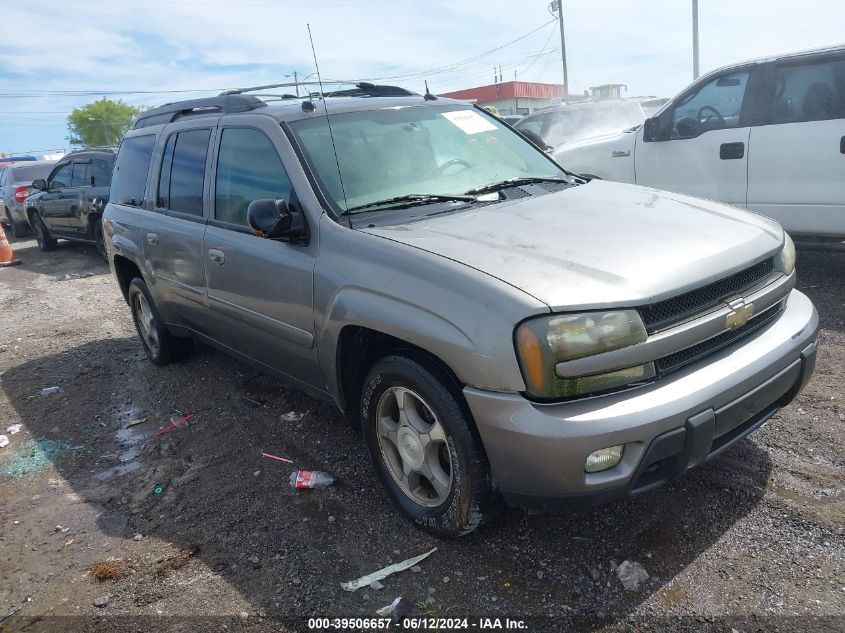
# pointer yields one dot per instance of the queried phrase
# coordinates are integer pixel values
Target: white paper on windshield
(469, 122)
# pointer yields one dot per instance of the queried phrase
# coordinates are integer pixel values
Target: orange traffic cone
(7, 257)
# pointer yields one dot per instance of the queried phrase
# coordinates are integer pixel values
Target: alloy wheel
(414, 446)
(146, 322)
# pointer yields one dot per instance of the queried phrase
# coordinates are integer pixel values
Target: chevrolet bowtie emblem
(739, 315)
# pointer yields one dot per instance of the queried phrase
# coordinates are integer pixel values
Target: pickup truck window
(100, 172)
(248, 168)
(809, 92)
(393, 152)
(130, 170)
(715, 106)
(79, 178)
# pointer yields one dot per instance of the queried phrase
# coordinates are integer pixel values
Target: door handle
(216, 256)
(731, 151)
(842, 145)
(152, 238)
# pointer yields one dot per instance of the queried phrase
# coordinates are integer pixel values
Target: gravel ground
(198, 532)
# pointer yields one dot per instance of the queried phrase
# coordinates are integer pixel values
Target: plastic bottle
(302, 479)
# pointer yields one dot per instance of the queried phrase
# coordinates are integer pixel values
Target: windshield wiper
(413, 199)
(514, 182)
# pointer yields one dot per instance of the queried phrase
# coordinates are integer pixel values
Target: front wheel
(46, 242)
(424, 447)
(161, 346)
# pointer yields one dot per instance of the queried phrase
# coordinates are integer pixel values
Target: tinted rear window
(130, 170)
(30, 172)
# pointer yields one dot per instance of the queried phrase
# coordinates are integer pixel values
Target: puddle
(118, 471)
(127, 413)
(34, 456)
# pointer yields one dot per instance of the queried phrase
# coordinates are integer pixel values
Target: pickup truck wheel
(46, 242)
(424, 447)
(160, 345)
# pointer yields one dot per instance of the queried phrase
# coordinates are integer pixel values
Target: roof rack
(361, 89)
(225, 103)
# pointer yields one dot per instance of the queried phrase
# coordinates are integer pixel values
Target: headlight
(785, 260)
(542, 343)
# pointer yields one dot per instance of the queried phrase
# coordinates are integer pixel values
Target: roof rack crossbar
(224, 104)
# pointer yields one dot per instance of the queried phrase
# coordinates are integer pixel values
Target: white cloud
(179, 44)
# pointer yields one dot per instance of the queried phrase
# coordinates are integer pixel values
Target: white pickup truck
(767, 135)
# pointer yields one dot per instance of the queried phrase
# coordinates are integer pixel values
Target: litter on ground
(174, 425)
(381, 574)
(15, 428)
(136, 422)
(35, 455)
(396, 610)
(49, 390)
(309, 479)
(631, 574)
(291, 416)
(4, 441)
(281, 459)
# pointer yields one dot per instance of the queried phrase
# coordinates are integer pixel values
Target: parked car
(69, 203)
(496, 326)
(574, 122)
(15, 187)
(766, 135)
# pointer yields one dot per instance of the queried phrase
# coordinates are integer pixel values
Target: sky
(64, 54)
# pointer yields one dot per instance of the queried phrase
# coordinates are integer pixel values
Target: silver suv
(497, 327)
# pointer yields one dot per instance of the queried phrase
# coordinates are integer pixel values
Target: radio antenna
(329, 123)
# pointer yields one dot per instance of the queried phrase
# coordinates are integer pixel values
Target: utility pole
(558, 6)
(296, 82)
(694, 39)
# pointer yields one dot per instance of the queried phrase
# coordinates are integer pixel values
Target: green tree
(100, 123)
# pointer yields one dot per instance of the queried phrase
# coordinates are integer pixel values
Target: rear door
(54, 207)
(173, 247)
(796, 172)
(703, 150)
(260, 291)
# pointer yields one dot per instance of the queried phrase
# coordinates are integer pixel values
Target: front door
(54, 207)
(260, 291)
(796, 169)
(705, 153)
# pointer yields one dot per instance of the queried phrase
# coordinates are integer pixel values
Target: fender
(415, 324)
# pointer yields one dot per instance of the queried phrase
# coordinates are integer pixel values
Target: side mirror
(39, 184)
(272, 219)
(651, 130)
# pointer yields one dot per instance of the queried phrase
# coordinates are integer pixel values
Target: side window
(79, 178)
(130, 170)
(100, 173)
(2, 177)
(61, 177)
(716, 106)
(248, 168)
(809, 92)
(183, 172)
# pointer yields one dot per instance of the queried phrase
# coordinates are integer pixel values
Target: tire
(451, 455)
(46, 242)
(161, 346)
(101, 244)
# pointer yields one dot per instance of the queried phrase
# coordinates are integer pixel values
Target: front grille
(675, 361)
(660, 314)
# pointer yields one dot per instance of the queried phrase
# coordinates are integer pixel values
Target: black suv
(69, 203)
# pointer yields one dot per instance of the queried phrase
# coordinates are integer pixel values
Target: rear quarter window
(130, 170)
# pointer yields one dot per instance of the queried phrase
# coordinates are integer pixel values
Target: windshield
(393, 152)
(580, 121)
(30, 172)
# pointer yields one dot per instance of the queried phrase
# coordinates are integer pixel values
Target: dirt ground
(199, 532)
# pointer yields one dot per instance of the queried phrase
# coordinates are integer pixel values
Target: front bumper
(537, 451)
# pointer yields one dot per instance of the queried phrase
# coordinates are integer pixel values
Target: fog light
(603, 459)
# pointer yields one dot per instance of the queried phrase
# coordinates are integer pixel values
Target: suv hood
(598, 245)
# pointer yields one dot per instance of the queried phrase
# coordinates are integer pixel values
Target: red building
(513, 97)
